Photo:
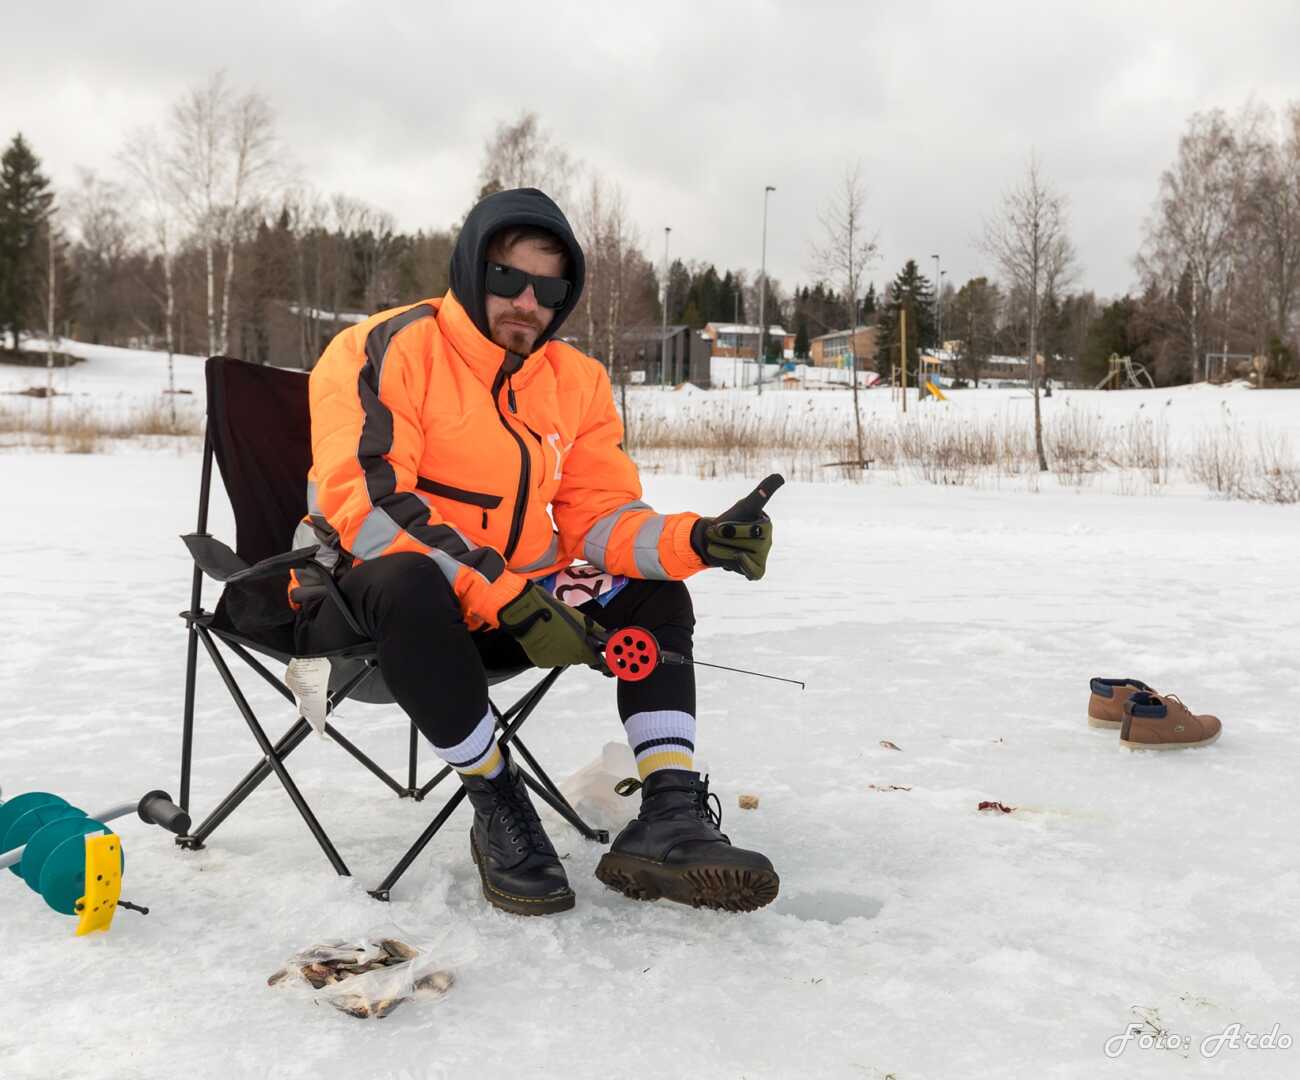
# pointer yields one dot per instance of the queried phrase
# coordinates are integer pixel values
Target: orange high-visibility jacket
(423, 440)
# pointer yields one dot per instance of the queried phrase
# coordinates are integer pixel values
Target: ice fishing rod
(633, 653)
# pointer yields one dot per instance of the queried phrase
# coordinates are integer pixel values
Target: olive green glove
(552, 633)
(739, 539)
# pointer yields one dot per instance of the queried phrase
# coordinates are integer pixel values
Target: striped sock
(663, 739)
(476, 754)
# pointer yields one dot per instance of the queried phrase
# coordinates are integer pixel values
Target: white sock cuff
(470, 749)
(659, 730)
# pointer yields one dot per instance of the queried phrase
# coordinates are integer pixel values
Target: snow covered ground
(914, 936)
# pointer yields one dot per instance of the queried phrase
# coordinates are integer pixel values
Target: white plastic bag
(371, 976)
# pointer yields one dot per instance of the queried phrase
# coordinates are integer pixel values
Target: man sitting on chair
(462, 460)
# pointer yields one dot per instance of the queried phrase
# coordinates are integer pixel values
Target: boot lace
(523, 826)
(708, 807)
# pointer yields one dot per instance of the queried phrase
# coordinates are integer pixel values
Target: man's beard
(514, 338)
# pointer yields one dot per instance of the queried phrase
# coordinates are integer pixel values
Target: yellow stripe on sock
(665, 759)
(486, 765)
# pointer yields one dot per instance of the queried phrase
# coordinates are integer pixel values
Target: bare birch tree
(614, 296)
(589, 224)
(521, 154)
(1273, 210)
(145, 161)
(842, 258)
(53, 243)
(97, 213)
(221, 157)
(376, 247)
(1029, 240)
(1190, 234)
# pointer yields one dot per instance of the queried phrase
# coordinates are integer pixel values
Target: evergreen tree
(870, 305)
(25, 204)
(800, 333)
(910, 290)
(1112, 332)
(972, 319)
(679, 291)
(705, 297)
(731, 299)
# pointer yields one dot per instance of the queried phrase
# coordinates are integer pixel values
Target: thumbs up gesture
(740, 538)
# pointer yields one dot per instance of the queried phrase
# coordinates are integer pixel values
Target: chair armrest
(217, 560)
(316, 581)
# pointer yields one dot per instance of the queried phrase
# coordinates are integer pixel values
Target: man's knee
(661, 603)
(403, 589)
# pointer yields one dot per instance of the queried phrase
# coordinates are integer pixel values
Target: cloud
(692, 108)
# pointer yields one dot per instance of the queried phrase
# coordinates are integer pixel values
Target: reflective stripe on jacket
(422, 442)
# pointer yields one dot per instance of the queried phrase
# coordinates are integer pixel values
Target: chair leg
(561, 806)
(327, 846)
(334, 699)
(334, 734)
(289, 742)
(509, 723)
(385, 887)
(412, 757)
(437, 779)
(187, 730)
(549, 792)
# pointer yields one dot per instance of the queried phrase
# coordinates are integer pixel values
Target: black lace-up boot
(675, 849)
(516, 862)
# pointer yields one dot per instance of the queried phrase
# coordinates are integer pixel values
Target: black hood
(522, 206)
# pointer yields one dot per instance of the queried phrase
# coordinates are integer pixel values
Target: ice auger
(73, 859)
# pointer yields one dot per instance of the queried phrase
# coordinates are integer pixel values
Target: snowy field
(914, 935)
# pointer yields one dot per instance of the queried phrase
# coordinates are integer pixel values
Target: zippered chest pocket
(481, 499)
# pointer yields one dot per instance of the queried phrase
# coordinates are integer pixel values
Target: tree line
(203, 240)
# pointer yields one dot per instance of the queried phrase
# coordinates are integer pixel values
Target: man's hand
(739, 539)
(552, 633)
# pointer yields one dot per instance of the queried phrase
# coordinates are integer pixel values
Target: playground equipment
(74, 860)
(1124, 373)
(932, 388)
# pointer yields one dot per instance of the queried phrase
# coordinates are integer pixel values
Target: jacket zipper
(474, 498)
(525, 464)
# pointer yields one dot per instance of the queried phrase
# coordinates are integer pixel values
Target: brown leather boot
(1106, 704)
(1162, 722)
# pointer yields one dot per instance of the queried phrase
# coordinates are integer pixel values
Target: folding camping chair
(259, 432)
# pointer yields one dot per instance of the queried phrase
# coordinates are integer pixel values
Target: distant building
(286, 335)
(738, 339)
(991, 369)
(836, 348)
(641, 349)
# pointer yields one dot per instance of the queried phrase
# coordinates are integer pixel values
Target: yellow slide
(939, 394)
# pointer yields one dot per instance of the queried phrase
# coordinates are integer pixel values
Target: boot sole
(1128, 744)
(1096, 722)
(518, 905)
(717, 887)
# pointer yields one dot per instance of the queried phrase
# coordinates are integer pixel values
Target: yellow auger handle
(103, 883)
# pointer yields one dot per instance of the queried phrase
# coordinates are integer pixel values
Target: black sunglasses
(509, 282)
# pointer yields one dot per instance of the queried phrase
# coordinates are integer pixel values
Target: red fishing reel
(632, 654)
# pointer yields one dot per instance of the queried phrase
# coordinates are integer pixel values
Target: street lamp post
(762, 288)
(663, 326)
(938, 316)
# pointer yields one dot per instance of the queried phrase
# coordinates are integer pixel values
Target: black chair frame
(220, 562)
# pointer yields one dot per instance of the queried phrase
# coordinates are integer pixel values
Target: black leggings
(436, 668)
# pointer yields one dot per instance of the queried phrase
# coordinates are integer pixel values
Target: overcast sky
(691, 107)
